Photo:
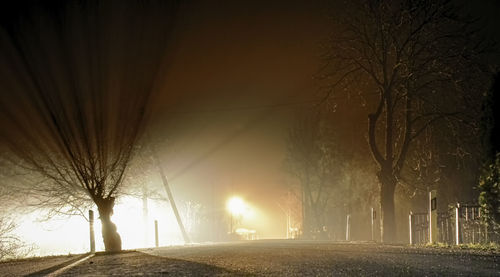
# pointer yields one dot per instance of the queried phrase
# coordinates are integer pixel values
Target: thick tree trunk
(388, 216)
(111, 238)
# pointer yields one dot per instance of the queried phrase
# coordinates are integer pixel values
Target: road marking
(61, 270)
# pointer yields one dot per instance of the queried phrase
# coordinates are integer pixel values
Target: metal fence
(419, 228)
(472, 226)
(446, 226)
(461, 224)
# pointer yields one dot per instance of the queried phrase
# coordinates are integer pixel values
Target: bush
(11, 246)
(489, 197)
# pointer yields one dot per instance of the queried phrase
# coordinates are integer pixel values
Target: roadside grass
(482, 247)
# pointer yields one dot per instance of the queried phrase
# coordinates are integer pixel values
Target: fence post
(433, 235)
(156, 233)
(457, 224)
(373, 217)
(410, 219)
(348, 228)
(91, 229)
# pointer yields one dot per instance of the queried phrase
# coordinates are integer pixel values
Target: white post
(348, 228)
(457, 224)
(433, 216)
(410, 227)
(156, 234)
(91, 229)
(373, 217)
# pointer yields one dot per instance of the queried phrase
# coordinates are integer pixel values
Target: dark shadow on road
(137, 263)
(188, 268)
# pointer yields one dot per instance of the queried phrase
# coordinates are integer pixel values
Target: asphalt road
(290, 258)
(300, 258)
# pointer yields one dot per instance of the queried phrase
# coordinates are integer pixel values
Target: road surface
(290, 258)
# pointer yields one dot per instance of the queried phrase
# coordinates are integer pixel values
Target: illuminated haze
(238, 72)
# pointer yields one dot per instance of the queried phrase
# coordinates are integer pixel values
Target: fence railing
(461, 224)
(446, 227)
(419, 228)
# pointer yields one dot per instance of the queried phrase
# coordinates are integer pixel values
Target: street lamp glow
(236, 206)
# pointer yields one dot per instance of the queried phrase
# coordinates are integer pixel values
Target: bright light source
(236, 206)
(71, 235)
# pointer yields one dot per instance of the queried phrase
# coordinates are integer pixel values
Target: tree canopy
(416, 63)
(77, 81)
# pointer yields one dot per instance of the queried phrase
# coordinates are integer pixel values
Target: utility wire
(245, 108)
(316, 102)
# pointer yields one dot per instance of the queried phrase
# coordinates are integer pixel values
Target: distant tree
(491, 120)
(312, 159)
(415, 64)
(77, 79)
(333, 178)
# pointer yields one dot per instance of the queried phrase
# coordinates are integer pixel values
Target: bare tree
(414, 62)
(312, 158)
(77, 81)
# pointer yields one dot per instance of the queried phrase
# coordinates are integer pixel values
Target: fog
(224, 93)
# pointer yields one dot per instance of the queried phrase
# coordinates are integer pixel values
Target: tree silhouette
(313, 158)
(415, 64)
(491, 120)
(77, 82)
(489, 197)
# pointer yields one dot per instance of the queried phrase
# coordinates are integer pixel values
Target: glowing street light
(236, 207)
